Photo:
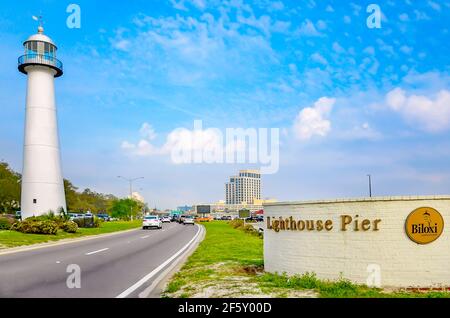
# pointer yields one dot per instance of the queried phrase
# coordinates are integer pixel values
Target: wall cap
(363, 199)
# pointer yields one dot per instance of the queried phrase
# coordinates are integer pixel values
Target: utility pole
(370, 185)
(131, 191)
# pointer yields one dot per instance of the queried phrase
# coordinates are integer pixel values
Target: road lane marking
(144, 237)
(146, 293)
(95, 252)
(133, 288)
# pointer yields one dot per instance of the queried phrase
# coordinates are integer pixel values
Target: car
(104, 217)
(151, 221)
(166, 219)
(203, 219)
(188, 220)
(181, 219)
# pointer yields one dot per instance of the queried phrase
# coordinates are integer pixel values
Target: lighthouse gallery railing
(34, 58)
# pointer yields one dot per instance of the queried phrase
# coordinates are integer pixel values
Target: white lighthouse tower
(42, 181)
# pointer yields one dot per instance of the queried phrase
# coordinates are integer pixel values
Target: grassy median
(229, 263)
(10, 239)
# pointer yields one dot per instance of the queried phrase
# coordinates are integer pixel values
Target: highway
(121, 265)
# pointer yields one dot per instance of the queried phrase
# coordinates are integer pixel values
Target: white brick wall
(334, 254)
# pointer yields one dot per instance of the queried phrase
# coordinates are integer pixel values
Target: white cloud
(276, 6)
(434, 5)
(316, 57)
(184, 141)
(308, 29)
(181, 4)
(428, 113)
(406, 49)
(313, 121)
(404, 17)
(122, 45)
(338, 48)
(347, 20)
(142, 148)
(359, 132)
(421, 15)
(356, 9)
(369, 50)
(329, 9)
(147, 132)
(321, 25)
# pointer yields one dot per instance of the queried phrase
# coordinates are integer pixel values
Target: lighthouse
(42, 180)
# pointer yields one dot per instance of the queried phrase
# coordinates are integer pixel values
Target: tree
(72, 199)
(10, 184)
(87, 200)
(126, 208)
(9, 189)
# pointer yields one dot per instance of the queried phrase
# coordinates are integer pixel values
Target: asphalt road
(109, 265)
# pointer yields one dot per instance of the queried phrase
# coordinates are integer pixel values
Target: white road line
(144, 237)
(130, 290)
(95, 252)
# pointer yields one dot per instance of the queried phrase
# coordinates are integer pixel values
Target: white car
(151, 221)
(166, 219)
(189, 220)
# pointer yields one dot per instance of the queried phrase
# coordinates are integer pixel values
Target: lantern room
(40, 50)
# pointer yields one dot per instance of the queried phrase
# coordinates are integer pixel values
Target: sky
(348, 99)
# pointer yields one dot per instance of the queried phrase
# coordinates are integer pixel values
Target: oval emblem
(424, 225)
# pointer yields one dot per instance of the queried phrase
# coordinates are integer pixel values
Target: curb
(27, 248)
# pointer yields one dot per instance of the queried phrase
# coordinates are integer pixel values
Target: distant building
(222, 208)
(184, 208)
(244, 188)
(137, 197)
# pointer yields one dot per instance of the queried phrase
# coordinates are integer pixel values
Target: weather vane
(40, 20)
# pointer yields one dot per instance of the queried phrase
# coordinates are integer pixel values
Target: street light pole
(370, 185)
(131, 191)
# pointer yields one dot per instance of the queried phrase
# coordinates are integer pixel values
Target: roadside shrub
(248, 228)
(70, 227)
(50, 217)
(235, 224)
(97, 222)
(240, 225)
(6, 222)
(87, 223)
(36, 226)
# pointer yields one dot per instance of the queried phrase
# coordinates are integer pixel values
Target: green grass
(225, 244)
(10, 239)
(337, 289)
(222, 245)
(228, 251)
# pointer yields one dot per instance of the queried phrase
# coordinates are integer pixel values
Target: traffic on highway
(124, 264)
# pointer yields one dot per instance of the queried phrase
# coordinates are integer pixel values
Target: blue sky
(348, 100)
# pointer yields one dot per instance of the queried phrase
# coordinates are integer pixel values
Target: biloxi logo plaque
(424, 225)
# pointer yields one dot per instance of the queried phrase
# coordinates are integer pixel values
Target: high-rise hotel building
(244, 188)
